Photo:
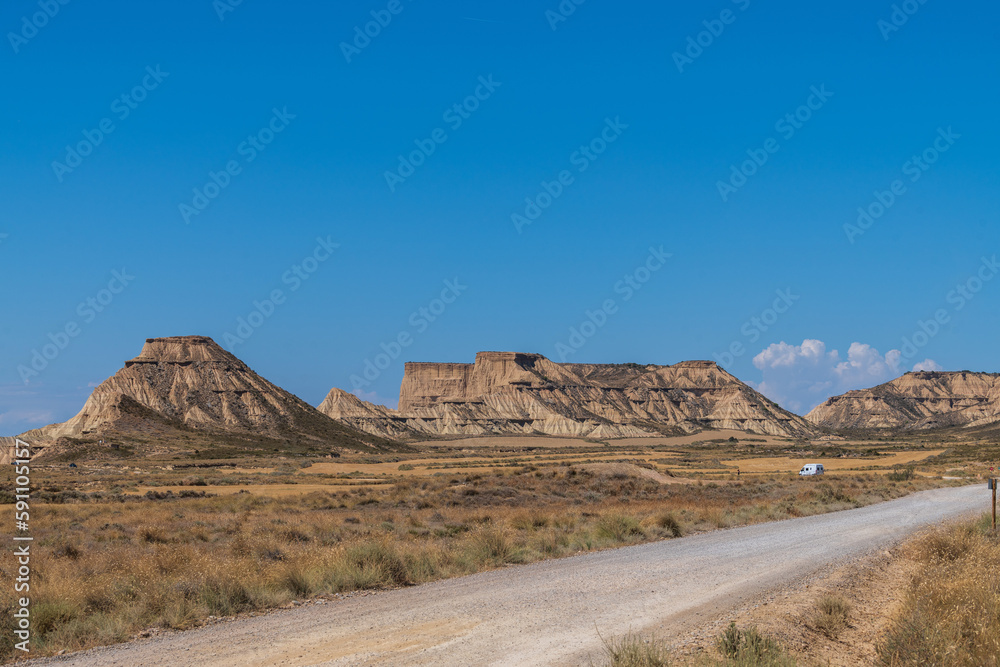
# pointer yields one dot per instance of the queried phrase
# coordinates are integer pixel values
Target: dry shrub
(619, 527)
(718, 517)
(47, 616)
(749, 648)
(668, 522)
(490, 545)
(67, 550)
(529, 520)
(900, 475)
(632, 650)
(7, 636)
(832, 612)
(301, 582)
(227, 595)
(294, 535)
(944, 545)
(951, 615)
(378, 563)
(153, 534)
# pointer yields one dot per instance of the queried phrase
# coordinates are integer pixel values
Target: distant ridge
(916, 401)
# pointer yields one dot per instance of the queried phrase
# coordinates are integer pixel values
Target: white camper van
(812, 469)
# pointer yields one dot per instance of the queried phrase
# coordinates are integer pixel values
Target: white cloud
(799, 377)
(865, 366)
(783, 354)
(927, 365)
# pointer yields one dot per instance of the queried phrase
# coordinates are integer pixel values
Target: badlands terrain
(516, 393)
(187, 390)
(187, 394)
(916, 401)
(189, 491)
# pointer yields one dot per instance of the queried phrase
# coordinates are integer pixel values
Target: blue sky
(620, 144)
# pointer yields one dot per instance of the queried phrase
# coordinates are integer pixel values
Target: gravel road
(549, 613)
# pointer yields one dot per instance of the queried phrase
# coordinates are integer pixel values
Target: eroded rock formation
(916, 401)
(188, 386)
(517, 393)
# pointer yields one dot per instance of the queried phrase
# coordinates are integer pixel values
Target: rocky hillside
(916, 401)
(188, 390)
(349, 409)
(516, 393)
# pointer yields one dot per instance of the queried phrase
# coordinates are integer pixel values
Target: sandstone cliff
(377, 419)
(188, 388)
(516, 393)
(916, 401)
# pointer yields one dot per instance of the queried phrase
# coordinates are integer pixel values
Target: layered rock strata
(519, 393)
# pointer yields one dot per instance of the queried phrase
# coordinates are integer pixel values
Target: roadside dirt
(874, 586)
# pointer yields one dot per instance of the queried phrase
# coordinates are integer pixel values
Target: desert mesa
(183, 392)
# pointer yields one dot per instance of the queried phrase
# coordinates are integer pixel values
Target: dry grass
(951, 615)
(601, 461)
(788, 464)
(668, 522)
(736, 647)
(747, 647)
(108, 567)
(632, 650)
(832, 615)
